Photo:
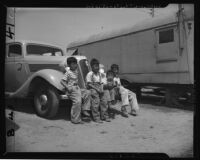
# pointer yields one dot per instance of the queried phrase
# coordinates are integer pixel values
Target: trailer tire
(46, 101)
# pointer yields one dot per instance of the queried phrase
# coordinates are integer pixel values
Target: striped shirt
(71, 77)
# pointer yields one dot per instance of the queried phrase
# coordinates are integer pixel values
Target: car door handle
(19, 66)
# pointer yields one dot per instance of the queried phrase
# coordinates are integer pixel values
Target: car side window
(42, 50)
(15, 50)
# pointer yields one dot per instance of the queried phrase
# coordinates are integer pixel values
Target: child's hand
(69, 89)
(101, 93)
(100, 90)
(114, 86)
(109, 83)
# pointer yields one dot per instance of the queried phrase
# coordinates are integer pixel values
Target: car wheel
(46, 101)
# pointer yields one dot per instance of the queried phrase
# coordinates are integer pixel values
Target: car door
(9, 70)
(16, 72)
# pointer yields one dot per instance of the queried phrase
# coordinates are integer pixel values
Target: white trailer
(159, 51)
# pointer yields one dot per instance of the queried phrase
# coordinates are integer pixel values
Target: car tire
(46, 101)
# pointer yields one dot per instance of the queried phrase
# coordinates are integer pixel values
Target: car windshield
(41, 50)
(84, 67)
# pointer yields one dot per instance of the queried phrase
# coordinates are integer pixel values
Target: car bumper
(63, 97)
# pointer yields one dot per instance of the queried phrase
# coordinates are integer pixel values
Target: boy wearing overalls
(98, 94)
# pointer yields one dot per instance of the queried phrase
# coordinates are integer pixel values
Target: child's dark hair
(94, 61)
(71, 60)
(110, 72)
(114, 66)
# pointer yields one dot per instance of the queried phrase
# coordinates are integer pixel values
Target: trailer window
(167, 48)
(166, 36)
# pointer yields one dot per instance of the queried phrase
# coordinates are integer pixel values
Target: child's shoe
(80, 122)
(106, 119)
(124, 112)
(85, 113)
(98, 121)
(134, 113)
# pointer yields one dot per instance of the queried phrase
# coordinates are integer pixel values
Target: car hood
(45, 59)
(37, 63)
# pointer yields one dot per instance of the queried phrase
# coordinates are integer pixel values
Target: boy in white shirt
(127, 97)
(99, 96)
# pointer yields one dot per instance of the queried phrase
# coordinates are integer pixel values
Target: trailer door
(166, 44)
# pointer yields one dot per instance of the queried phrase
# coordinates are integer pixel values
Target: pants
(86, 96)
(75, 96)
(99, 105)
(80, 101)
(127, 97)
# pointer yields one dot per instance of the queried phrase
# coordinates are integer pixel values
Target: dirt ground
(156, 129)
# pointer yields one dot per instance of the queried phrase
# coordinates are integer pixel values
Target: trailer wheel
(46, 101)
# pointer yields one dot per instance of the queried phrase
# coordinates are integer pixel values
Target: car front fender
(51, 76)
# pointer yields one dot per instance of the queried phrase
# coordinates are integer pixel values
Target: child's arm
(68, 88)
(89, 82)
(109, 86)
(92, 86)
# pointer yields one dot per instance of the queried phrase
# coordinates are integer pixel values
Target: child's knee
(78, 102)
(123, 91)
(106, 93)
(88, 92)
(134, 95)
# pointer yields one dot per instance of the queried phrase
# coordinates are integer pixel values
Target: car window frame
(44, 46)
(7, 50)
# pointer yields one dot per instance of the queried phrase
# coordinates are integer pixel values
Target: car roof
(35, 42)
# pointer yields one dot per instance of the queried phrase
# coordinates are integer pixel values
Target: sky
(61, 26)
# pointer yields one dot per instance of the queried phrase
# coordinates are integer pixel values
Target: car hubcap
(43, 99)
